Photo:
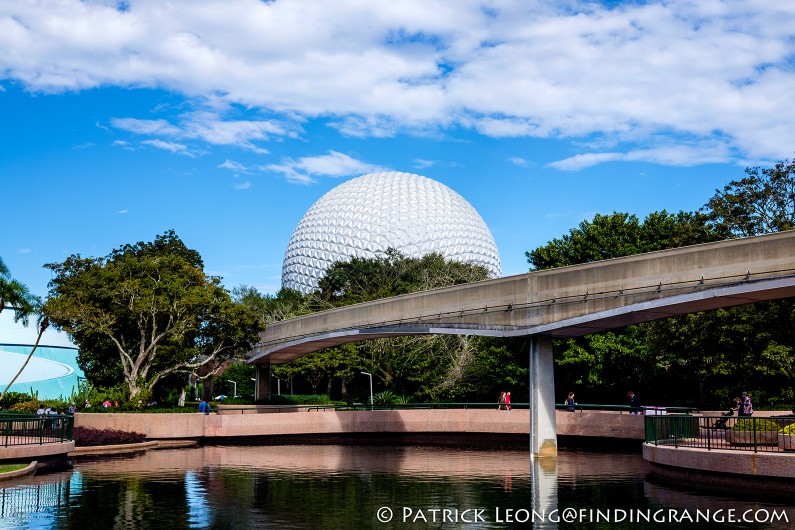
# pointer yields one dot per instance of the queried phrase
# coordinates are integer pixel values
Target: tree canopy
(364, 279)
(146, 311)
(622, 234)
(761, 202)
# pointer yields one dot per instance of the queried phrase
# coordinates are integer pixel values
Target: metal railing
(645, 410)
(363, 406)
(32, 429)
(648, 410)
(744, 433)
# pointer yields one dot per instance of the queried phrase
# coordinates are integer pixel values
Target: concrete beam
(569, 301)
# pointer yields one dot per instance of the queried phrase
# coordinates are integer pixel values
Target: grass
(5, 468)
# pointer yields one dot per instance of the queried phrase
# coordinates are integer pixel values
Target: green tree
(761, 202)
(604, 366)
(286, 304)
(150, 308)
(621, 234)
(364, 279)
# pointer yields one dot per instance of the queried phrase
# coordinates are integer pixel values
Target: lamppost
(371, 388)
(234, 383)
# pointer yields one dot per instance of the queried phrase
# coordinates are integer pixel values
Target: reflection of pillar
(543, 435)
(545, 487)
(262, 388)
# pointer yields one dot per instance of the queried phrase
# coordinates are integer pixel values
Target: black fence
(722, 432)
(32, 429)
(646, 410)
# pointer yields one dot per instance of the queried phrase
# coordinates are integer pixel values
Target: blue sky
(226, 120)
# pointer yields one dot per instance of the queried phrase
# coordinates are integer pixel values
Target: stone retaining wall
(766, 464)
(197, 425)
(724, 471)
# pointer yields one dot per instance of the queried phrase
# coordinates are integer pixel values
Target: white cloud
(672, 155)
(146, 127)
(334, 164)
(122, 212)
(242, 185)
(708, 69)
(211, 128)
(517, 161)
(123, 144)
(237, 167)
(421, 163)
(168, 146)
(24, 250)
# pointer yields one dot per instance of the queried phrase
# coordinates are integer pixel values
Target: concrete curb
(114, 449)
(764, 464)
(30, 470)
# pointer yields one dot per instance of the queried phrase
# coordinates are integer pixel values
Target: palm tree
(23, 303)
(16, 296)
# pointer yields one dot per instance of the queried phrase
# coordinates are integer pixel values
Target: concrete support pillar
(262, 387)
(543, 430)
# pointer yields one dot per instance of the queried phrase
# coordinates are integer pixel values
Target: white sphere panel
(367, 215)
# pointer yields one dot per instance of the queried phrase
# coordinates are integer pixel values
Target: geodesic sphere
(367, 215)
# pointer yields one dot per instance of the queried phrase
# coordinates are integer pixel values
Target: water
(341, 487)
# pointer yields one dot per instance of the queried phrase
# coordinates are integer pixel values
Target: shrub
(749, 424)
(12, 398)
(300, 399)
(789, 429)
(25, 406)
(86, 436)
(140, 401)
(31, 405)
(384, 398)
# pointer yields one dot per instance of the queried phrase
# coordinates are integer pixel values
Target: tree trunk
(207, 389)
(181, 400)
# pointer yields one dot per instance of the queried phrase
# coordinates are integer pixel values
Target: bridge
(564, 302)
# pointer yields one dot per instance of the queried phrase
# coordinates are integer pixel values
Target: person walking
(748, 406)
(508, 401)
(501, 401)
(570, 402)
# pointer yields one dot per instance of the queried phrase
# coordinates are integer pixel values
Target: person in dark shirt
(570, 402)
(634, 402)
(747, 406)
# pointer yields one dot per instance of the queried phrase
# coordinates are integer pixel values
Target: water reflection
(338, 487)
